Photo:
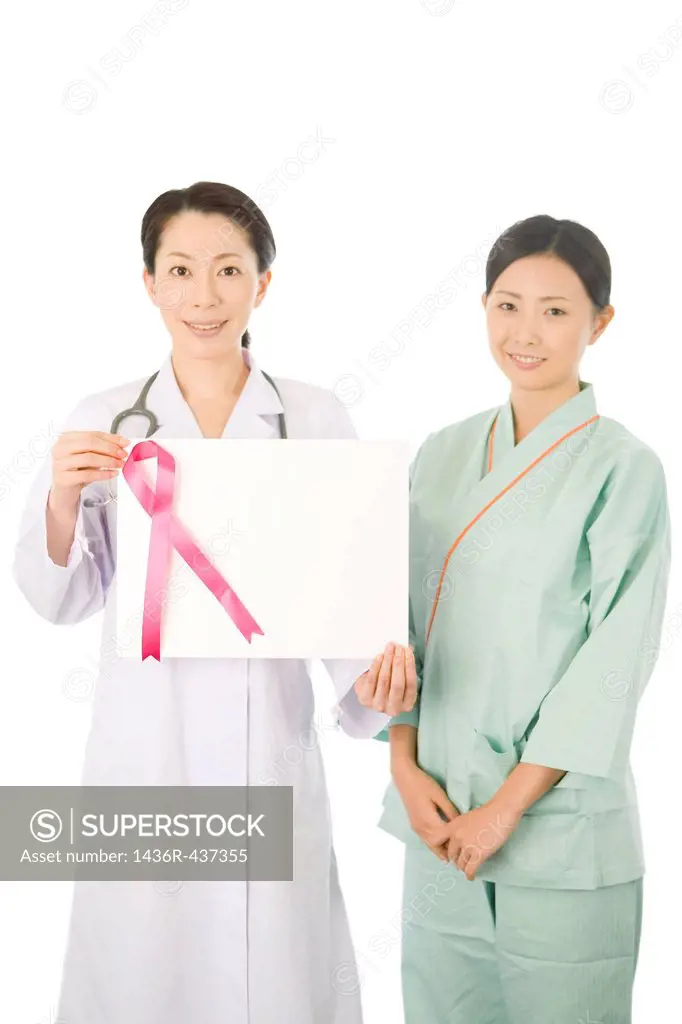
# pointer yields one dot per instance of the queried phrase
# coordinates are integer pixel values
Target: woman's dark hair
(573, 243)
(209, 197)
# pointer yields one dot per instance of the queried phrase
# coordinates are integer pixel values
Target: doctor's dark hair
(209, 197)
(570, 241)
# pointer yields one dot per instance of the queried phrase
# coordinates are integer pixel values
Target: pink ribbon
(167, 533)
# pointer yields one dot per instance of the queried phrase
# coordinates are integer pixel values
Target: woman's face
(206, 283)
(540, 320)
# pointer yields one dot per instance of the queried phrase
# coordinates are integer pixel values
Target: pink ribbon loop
(167, 533)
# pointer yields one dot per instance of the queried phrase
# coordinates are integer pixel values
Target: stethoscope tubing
(139, 408)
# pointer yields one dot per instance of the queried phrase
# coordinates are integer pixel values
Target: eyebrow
(542, 298)
(220, 256)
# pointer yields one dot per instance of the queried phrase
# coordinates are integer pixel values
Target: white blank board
(311, 534)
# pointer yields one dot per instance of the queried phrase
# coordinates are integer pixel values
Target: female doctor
(545, 527)
(244, 952)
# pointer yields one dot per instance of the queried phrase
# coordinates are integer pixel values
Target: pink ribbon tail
(168, 533)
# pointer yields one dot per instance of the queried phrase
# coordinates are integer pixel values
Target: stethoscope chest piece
(147, 413)
(139, 408)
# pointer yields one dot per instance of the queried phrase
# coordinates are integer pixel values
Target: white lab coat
(211, 952)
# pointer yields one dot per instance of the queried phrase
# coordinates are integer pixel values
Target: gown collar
(258, 399)
(483, 484)
(566, 417)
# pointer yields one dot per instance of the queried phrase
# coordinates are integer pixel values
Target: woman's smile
(525, 362)
(207, 329)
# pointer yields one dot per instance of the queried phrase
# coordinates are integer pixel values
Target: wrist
(402, 764)
(508, 807)
(63, 502)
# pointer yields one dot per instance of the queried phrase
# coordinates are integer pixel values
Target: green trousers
(484, 953)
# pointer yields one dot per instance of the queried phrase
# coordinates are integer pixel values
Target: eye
(503, 304)
(555, 309)
(179, 267)
(229, 268)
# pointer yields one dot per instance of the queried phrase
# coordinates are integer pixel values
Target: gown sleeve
(586, 721)
(66, 594)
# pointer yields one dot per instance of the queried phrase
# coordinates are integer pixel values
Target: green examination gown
(538, 577)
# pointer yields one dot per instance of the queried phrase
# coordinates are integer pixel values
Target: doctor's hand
(80, 457)
(424, 800)
(390, 683)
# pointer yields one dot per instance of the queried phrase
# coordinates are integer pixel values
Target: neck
(530, 408)
(217, 380)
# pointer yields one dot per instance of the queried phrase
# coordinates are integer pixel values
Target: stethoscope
(139, 408)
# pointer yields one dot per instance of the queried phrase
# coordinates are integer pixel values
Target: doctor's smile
(211, 327)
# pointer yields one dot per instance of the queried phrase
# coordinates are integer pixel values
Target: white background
(388, 143)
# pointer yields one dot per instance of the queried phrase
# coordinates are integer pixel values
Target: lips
(205, 325)
(525, 362)
(525, 358)
(206, 328)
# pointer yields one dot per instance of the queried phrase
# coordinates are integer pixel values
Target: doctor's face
(540, 320)
(206, 283)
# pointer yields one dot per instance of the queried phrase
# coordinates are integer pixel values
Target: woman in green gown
(539, 554)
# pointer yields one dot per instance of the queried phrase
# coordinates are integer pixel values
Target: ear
(148, 280)
(263, 285)
(601, 322)
(484, 299)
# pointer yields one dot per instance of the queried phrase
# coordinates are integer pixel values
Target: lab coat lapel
(253, 416)
(257, 400)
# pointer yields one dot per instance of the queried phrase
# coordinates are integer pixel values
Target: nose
(529, 329)
(204, 290)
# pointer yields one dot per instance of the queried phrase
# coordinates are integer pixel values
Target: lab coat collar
(566, 417)
(258, 399)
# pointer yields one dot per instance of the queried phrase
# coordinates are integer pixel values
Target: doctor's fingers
(366, 684)
(76, 471)
(384, 680)
(87, 460)
(410, 695)
(74, 442)
(396, 693)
